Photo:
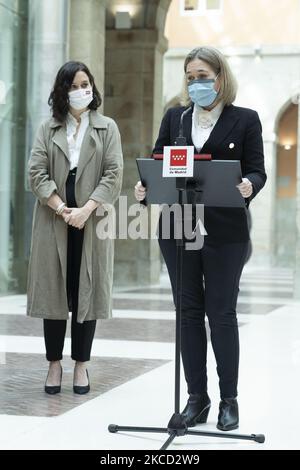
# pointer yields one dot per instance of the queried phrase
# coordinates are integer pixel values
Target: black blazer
(242, 127)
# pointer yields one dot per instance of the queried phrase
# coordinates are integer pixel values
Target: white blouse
(203, 122)
(75, 144)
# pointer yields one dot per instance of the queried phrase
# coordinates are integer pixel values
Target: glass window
(13, 49)
(200, 7)
(213, 4)
(191, 5)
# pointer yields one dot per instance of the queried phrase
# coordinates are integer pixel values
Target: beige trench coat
(99, 177)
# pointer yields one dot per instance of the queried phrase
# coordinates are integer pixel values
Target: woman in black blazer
(211, 275)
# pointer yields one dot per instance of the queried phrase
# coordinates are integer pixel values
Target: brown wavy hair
(59, 96)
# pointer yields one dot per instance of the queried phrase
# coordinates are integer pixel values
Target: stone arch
(281, 111)
(286, 131)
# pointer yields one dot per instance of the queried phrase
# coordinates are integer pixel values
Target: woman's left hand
(78, 217)
(245, 188)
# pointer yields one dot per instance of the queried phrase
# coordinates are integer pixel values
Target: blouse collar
(207, 119)
(83, 117)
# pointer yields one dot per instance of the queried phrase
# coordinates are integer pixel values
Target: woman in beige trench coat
(75, 166)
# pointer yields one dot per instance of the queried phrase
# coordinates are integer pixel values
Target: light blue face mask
(202, 91)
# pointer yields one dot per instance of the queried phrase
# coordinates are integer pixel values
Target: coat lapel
(87, 150)
(60, 139)
(89, 143)
(225, 123)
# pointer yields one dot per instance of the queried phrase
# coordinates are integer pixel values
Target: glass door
(13, 72)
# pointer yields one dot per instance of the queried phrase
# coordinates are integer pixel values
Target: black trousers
(82, 334)
(210, 286)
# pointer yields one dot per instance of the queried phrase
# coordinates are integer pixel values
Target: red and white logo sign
(178, 157)
(178, 161)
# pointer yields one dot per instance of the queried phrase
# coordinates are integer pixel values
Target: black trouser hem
(80, 359)
(54, 359)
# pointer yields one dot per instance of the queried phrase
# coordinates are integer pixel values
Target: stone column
(87, 36)
(297, 257)
(133, 97)
(48, 30)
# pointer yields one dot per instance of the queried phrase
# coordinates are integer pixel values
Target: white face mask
(80, 99)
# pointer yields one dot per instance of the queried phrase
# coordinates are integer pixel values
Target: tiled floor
(132, 373)
(21, 393)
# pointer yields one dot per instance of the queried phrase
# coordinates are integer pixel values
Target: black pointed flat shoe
(228, 418)
(53, 389)
(196, 410)
(82, 389)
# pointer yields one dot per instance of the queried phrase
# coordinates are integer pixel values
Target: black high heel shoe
(82, 389)
(196, 410)
(53, 389)
(228, 418)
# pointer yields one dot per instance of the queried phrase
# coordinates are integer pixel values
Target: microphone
(181, 140)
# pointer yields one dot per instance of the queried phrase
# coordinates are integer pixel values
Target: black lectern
(214, 183)
(172, 191)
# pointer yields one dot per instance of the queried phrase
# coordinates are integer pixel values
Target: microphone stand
(176, 426)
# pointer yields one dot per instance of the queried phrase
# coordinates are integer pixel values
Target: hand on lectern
(139, 191)
(245, 188)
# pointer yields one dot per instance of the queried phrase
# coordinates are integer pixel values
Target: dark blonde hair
(218, 62)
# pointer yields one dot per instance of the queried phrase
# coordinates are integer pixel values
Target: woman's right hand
(139, 191)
